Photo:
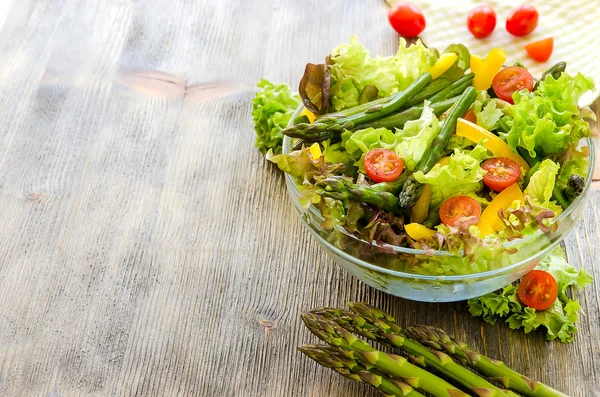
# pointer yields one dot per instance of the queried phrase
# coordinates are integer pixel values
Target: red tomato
(511, 79)
(540, 50)
(481, 21)
(457, 207)
(522, 20)
(538, 289)
(470, 116)
(383, 165)
(406, 19)
(501, 173)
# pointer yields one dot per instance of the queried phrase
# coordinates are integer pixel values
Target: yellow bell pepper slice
(416, 231)
(311, 116)
(444, 161)
(475, 63)
(418, 212)
(494, 144)
(490, 222)
(315, 151)
(490, 66)
(442, 64)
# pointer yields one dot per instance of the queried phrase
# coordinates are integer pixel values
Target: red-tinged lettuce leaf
(314, 88)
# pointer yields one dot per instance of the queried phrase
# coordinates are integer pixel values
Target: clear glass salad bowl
(388, 267)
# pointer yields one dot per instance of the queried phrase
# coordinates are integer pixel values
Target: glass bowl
(394, 270)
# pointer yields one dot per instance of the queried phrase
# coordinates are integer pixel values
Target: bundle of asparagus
(425, 349)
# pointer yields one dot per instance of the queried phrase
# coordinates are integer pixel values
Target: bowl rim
(292, 187)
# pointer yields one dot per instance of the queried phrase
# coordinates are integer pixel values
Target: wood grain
(147, 249)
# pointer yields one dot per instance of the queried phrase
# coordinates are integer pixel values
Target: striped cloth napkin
(574, 24)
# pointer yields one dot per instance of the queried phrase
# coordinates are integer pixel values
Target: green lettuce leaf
(306, 170)
(548, 120)
(352, 68)
(416, 137)
(576, 163)
(486, 110)
(272, 108)
(358, 143)
(462, 175)
(557, 322)
(541, 184)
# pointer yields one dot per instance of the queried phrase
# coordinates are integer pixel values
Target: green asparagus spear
(343, 362)
(391, 365)
(555, 71)
(326, 127)
(399, 119)
(341, 188)
(454, 89)
(438, 339)
(363, 323)
(412, 188)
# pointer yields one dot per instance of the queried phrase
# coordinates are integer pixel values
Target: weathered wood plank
(147, 249)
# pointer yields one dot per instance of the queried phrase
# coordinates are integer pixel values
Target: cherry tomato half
(538, 289)
(522, 20)
(511, 79)
(457, 207)
(470, 116)
(501, 173)
(540, 50)
(383, 165)
(407, 19)
(481, 21)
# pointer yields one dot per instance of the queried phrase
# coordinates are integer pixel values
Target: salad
(437, 151)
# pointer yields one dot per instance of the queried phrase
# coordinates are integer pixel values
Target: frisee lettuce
(557, 322)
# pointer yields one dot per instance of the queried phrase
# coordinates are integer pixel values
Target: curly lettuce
(272, 108)
(541, 186)
(352, 68)
(463, 174)
(576, 162)
(486, 110)
(548, 121)
(557, 322)
(417, 136)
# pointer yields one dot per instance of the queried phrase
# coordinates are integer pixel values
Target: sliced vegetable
(501, 173)
(416, 231)
(522, 20)
(490, 222)
(457, 208)
(383, 165)
(489, 67)
(538, 289)
(314, 88)
(540, 50)
(315, 151)
(442, 64)
(310, 115)
(475, 63)
(494, 144)
(470, 116)
(481, 21)
(419, 211)
(511, 79)
(407, 19)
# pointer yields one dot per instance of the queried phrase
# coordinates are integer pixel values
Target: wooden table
(147, 248)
